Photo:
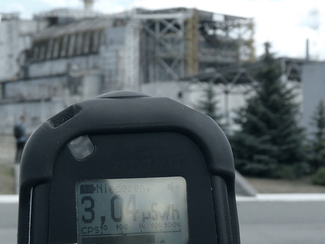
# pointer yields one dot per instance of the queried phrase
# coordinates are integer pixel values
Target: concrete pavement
(9, 219)
(282, 219)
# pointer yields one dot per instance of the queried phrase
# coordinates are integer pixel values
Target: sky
(286, 24)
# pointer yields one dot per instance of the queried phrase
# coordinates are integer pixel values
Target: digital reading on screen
(142, 210)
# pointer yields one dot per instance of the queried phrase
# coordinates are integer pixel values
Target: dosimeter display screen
(131, 211)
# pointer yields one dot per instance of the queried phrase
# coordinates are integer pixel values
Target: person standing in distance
(21, 137)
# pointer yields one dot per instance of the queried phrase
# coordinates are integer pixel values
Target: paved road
(262, 221)
(282, 222)
(8, 223)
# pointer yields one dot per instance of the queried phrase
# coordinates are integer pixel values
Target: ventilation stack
(89, 5)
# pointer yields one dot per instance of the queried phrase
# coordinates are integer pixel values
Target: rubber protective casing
(134, 136)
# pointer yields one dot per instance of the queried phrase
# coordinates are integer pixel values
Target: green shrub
(319, 177)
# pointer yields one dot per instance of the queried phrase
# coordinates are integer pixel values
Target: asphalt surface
(262, 221)
(8, 223)
(282, 222)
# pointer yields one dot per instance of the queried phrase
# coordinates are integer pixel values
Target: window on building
(49, 49)
(28, 41)
(42, 51)
(102, 38)
(35, 53)
(86, 42)
(64, 46)
(72, 41)
(95, 43)
(56, 48)
(79, 43)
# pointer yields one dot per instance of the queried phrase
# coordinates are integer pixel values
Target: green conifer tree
(208, 104)
(317, 143)
(270, 142)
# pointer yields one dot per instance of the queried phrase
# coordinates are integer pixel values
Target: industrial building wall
(15, 36)
(171, 89)
(36, 99)
(112, 59)
(131, 78)
(91, 86)
(45, 88)
(151, 51)
(313, 87)
(9, 39)
(40, 99)
(190, 94)
(54, 84)
(60, 66)
(35, 113)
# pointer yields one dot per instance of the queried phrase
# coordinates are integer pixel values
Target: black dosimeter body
(126, 168)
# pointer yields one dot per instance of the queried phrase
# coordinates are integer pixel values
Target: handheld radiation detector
(126, 168)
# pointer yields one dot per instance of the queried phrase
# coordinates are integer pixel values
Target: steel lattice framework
(179, 42)
(163, 47)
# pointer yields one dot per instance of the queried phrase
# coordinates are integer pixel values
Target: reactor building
(63, 56)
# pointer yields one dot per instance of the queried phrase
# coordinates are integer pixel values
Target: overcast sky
(285, 23)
